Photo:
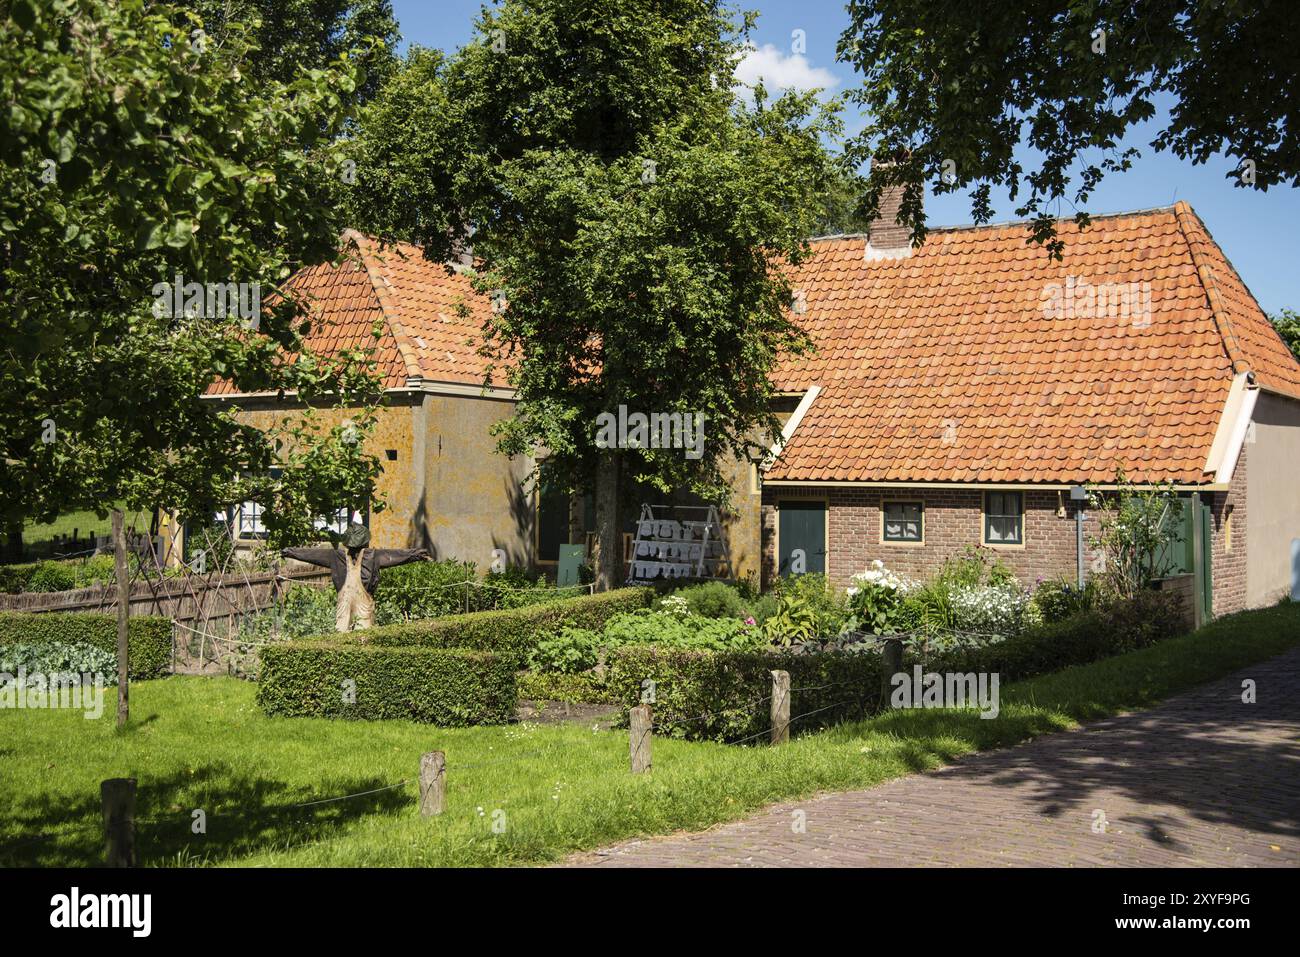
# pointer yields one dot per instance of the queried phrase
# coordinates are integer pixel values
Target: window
(249, 520)
(1004, 518)
(903, 522)
(339, 521)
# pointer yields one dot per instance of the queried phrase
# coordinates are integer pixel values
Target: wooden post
(118, 797)
(433, 783)
(780, 707)
(123, 613)
(639, 725)
(891, 660)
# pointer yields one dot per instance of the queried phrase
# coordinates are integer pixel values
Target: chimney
(462, 251)
(886, 237)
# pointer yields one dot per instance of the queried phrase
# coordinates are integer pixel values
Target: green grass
(81, 522)
(202, 743)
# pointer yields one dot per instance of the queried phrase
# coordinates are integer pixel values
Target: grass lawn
(83, 523)
(202, 743)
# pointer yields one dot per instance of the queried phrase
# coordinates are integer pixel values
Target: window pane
(1003, 529)
(902, 521)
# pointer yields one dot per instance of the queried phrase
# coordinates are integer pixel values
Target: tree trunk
(609, 538)
(14, 543)
(123, 613)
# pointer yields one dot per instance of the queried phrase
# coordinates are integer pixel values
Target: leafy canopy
(133, 152)
(969, 83)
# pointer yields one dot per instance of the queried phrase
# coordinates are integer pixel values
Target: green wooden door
(801, 538)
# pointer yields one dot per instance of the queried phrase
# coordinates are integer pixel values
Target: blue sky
(1256, 230)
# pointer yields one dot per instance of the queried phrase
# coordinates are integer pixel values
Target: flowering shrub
(876, 597)
(989, 609)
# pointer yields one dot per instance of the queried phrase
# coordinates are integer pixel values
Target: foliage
(805, 609)
(732, 689)
(1287, 324)
(303, 611)
(1058, 599)
(516, 630)
(133, 152)
(585, 687)
(989, 609)
(876, 599)
(424, 590)
(1138, 524)
(57, 657)
(149, 639)
(566, 651)
(960, 88)
(647, 627)
(444, 686)
(709, 600)
(628, 211)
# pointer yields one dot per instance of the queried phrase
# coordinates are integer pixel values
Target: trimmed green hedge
(734, 689)
(514, 630)
(445, 686)
(581, 688)
(693, 683)
(149, 638)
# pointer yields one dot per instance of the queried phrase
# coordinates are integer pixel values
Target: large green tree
(630, 214)
(1287, 324)
(133, 154)
(954, 90)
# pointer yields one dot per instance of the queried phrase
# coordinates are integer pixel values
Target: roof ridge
(963, 227)
(1205, 272)
(381, 286)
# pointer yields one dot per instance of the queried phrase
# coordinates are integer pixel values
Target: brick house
(960, 390)
(957, 394)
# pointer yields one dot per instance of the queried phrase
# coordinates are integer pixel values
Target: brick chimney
(887, 238)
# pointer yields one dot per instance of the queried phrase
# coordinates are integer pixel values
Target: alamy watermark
(1077, 298)
(208, 300)
(64, 690)
(935, 689)
(658, 430)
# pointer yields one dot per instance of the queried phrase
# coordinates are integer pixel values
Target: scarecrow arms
(388, 557)
(312, 556)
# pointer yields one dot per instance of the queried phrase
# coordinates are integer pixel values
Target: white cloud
(781, 72)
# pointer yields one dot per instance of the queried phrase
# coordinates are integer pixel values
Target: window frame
(986, 515)
(919, 504)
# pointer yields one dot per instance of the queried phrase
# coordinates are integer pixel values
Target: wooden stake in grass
(123, 614)
(780, 707)
(118, 797)
(891, 661)
(639, 724)
(433, 783)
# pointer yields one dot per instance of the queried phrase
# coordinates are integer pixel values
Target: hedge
(149, 638)
(514, 630)
(444, 686)
(693, 683)
(726, 695)
(581, 688)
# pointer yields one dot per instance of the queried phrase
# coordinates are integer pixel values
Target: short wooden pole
(891, 660)
(780, 707)
(118, 798)
(433, 783)
(639, 724)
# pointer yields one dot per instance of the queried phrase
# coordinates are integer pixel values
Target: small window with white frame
(902, 522)
(1004, 518)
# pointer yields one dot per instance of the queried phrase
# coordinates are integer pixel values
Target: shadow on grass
(241, 814)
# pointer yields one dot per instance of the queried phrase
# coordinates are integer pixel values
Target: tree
(292, 36)
(630, 215)
(953, 89)
(133, 160)
(1139, 524)
(1287, 324)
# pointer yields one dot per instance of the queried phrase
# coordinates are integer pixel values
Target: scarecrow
(354, 569)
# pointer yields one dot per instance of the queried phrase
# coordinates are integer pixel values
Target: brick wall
(953, 520)
(1229, 566)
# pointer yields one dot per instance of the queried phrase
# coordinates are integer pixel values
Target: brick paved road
(1200, 780)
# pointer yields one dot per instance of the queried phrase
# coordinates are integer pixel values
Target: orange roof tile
(430, 317)
(979, 359)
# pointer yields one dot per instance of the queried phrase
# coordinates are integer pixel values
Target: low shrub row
(53, 575)
(732, 689)
(513, 630)
(444, 686)
(586, 687)
(149, 639)
(726, 696)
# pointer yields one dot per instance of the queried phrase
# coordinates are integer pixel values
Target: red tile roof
(430, 317)
(957, 364)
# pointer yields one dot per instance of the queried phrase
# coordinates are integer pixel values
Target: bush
(1058, 599)
(149, 639)
(51, 576)
(586, 687)
(732, 689)
(712, 600)
(647, 627)
(57, 657)
(516, 630)
(303, 611)
(806, 610)
(567, 651)
(444, 686)
(988, 609)
(423, 590)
